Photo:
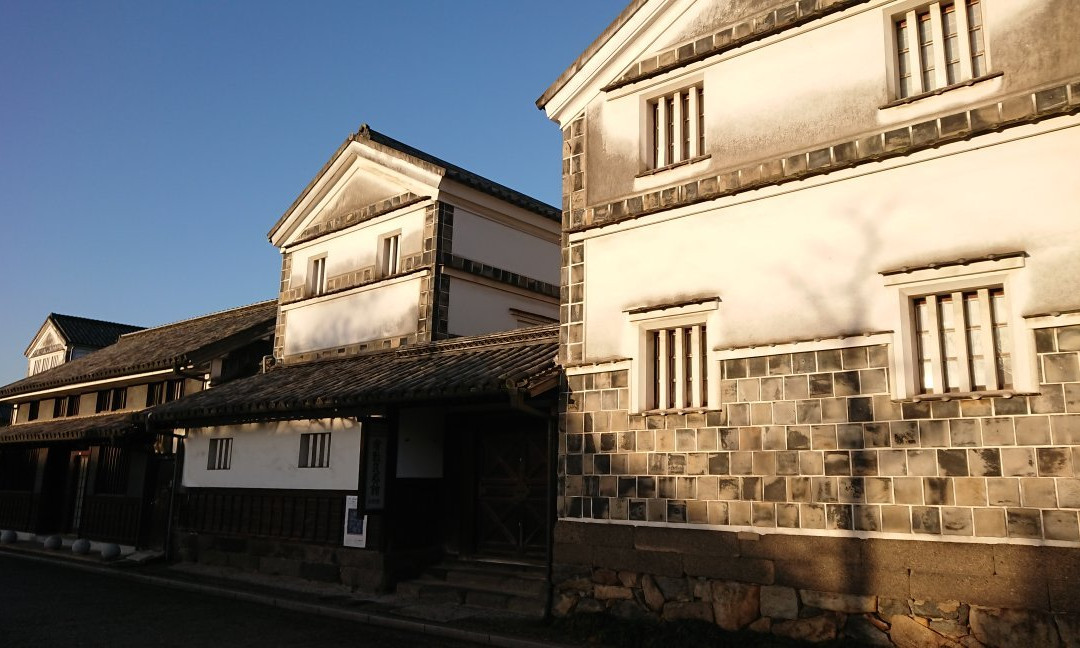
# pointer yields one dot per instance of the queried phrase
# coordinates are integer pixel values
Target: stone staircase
(514, 587)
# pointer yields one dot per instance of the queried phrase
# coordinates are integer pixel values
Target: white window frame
(656, 147)
(1002, 272)
(316, 276)
(910, 11)
(644, 324)
(219, 453)
(389, 254)
(314, 450)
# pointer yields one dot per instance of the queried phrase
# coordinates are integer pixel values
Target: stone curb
(367, 618)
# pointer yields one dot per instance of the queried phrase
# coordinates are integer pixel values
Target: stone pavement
(441, 623)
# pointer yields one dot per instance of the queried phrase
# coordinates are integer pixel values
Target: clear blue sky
(147, 147)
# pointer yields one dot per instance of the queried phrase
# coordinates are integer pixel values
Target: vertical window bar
(662, 379)
(654, 353)
(656, 122)
(701, 120)
(693, 360)
(977, 358)
(693, 126)
(670, 131)
(960, 342)
(661, 132)
(672, 360)
(703, 362)
(990, 351)
(684, 136)
(951, 42)
(1002, 337)
(975, 38)
(924, 29)
(940, 78)
(947, 334)
(679, 368)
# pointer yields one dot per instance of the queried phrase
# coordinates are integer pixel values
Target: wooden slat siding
(110, 518)
(303, 516)
(16, 510)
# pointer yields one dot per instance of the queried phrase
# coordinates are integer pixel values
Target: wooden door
(511, 498)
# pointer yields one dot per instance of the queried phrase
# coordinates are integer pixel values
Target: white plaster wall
(804, 262)
(266, 455)
(420, 444)
(358, 247)
(477, 308)
(485, 240)
(374, 312)
(815, 85)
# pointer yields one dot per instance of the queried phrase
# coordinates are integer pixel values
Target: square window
(937, 45)
(958, 331)
(34, 410)
(675, 130)
(155, 394)
(219, 456)
(316, 279)
(962, 341)
(672, 367)
(314, 450)
(390, 255)
(677, 367)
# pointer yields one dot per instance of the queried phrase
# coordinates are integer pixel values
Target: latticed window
(963, 341)
(938, 45)
(220, 454)
(314, 450)
(677, 127)
(677, 367)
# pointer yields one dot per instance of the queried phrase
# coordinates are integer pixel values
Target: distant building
(77, 459)
(409, 412)
(821, 298)
(66, 337)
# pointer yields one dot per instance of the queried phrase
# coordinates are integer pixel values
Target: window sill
(676, 165)
(684, 410)
(938, 91)
(976, 395)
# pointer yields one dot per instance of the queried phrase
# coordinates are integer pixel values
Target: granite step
(498, 586)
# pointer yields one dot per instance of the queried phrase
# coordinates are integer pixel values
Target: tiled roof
(66, 429)
(83, 331)
(162, 347)
(484, 366)
(452, 171)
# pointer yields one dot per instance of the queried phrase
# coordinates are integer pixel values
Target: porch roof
(105, 426)
(520, 362)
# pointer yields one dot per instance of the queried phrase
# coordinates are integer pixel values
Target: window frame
(315, 281)
(696, 143)
(894, 14)
(389, 259)
(219, 453)
(644, 323)
(317, 457)
(1002, 272)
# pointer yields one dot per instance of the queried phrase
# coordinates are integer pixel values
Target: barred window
(315, 450)
(938, 45)
(963, 341)
(676, 124)
(220, 454)
(677, 367)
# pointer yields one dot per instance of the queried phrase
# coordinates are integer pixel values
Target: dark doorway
(511, 487)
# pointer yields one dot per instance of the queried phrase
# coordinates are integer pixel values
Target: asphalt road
(43, 605)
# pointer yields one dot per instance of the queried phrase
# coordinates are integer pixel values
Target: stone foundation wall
(361, 569)
(875, 591)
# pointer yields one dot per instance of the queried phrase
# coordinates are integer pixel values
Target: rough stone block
(696, 610)
(779, 602)
(906, 632)
(813, 629)
(735, 605)
(997, 627)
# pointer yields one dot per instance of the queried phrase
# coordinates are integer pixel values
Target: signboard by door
(355, 523)
(375, 471)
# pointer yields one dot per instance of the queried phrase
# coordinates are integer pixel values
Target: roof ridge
(93, 319)
(199, 317)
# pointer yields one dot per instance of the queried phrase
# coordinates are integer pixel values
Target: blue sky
(147, 147)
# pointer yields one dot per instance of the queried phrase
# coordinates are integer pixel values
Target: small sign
(355, 523)
(375, 473)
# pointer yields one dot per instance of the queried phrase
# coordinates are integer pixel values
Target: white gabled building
(65, 337)
(822, 306)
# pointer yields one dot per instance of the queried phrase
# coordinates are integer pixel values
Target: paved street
(51, 605)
